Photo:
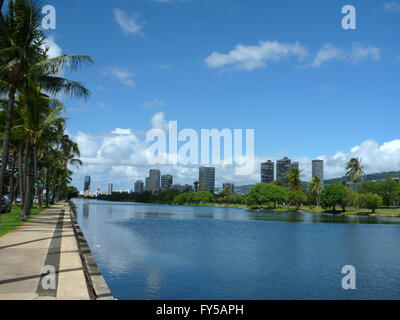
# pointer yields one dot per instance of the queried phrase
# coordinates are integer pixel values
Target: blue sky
(306, 86)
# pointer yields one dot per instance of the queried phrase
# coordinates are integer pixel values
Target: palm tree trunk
(12, 186)
(53, 187)
(47, 188)
(36, 178)
(20, 176)
(6, 137)
(27, 198)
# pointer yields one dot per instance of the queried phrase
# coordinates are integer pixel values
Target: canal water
(147, 251)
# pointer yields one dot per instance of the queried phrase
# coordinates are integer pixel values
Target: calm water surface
(180, 252)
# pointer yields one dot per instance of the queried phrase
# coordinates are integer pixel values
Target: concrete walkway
(40, 259)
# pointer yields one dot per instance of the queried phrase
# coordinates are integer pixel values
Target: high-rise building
(295, 165)
(86, 186)
(153, 181)
(229, 186)
(267, 171)
(110, 188)
(166, 182)
(207, 178)
(283, 166)
(139, 186)
(318, 169)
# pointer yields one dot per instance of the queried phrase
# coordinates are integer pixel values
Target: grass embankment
(349, 211)
(395, 212)
(11, 220)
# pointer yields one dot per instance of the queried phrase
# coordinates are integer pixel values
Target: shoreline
(278, 210)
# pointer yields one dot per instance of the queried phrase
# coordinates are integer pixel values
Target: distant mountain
(369, 177)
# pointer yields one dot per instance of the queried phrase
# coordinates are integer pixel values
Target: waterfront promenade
(29, 253)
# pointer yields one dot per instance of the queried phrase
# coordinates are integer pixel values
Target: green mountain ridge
(369, 177)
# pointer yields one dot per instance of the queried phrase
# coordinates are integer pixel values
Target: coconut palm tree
(354, 170)
(24, 59)
(316, 187)
(39, 114)
(293, 179)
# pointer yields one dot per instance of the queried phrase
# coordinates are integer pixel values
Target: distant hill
(369, 177)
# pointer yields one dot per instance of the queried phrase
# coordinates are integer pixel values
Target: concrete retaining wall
(98, 288)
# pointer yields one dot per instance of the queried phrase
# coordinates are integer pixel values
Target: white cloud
(358, 53)
(129, 24)
(153, 103)
(124, 76)
(54, 50)
(248, 58)
(392, 6)
(158, 121)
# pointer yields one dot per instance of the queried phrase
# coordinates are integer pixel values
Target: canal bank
(45, 259)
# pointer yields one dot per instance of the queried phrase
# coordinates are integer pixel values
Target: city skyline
(207, 177)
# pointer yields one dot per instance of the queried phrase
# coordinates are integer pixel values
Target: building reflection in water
(109, 211)
(85, 210)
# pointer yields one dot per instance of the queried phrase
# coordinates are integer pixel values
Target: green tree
(370, 201)
(297, 198)
(354, 170)
(266, 195)
(315, 187)
(24, 61)
(72, 193)
(389, 190)
(349, 197)
(332, 196)
(293, 179)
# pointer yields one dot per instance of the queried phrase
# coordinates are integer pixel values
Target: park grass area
(11, 220)
(313, 209)
(349, 211)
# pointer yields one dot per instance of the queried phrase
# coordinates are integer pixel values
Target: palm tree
(39, 113)
(196, 186)
(293, 179)
(316, 187)
(354, 170)
(23, 60)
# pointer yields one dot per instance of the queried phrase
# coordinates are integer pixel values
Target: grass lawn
(11, 220)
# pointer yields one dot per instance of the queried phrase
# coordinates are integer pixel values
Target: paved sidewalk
(30, 252)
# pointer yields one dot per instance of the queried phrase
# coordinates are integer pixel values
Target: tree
(266, 195)
(196, 186)
(24, 61)
(72, 193)
(297, 198)
(354, 170)
(349, 197)
(293, 179)
(370, 201)
(332, 195)
(315, 187)
(389, 190)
